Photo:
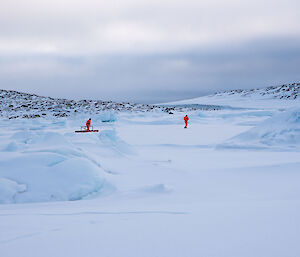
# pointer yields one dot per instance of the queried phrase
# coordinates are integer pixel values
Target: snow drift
(282, 130)
(39, 166)
(9, 190)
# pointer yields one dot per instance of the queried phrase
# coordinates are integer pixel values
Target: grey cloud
(162, 77)
(147, 51)
(93, 27)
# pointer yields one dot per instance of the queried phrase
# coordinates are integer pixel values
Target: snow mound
(51, 177)
(11, 147)
(282, 129)
(41, 166)
(9, 190)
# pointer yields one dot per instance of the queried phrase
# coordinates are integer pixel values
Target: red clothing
(186, 118)
(88, 124)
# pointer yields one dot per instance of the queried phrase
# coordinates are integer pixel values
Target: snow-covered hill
(288, 91)
(15, 104)
(283, 96)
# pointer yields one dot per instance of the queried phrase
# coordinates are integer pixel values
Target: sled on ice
(84, 129)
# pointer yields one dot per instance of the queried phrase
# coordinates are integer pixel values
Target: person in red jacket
(88, 124)
(186, 118)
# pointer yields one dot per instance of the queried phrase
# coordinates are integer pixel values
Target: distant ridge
(14, 104)
(285, 91)
(273, 97)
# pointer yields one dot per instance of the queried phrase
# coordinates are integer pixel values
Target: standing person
(88, 124)
(186, 118)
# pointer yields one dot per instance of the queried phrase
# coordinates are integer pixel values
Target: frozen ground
(226, 186)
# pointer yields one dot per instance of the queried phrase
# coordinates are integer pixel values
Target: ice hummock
(281, 130)
(41, 166)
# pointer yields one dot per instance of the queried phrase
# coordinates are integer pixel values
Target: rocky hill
(286, 91)
(15, 104)
(273, 97)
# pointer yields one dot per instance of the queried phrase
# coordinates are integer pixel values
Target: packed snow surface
(227, 186)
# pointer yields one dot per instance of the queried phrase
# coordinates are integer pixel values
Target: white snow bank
(11, 147)
(9, 190)
(49, 168)
(52, 177)
(282, 129)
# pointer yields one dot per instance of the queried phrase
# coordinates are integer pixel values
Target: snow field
(150, 188)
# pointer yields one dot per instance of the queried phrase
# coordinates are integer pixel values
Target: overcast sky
(147, 51)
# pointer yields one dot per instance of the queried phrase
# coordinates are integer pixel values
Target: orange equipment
(87, 128)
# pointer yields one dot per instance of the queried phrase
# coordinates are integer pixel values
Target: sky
(147, 51)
